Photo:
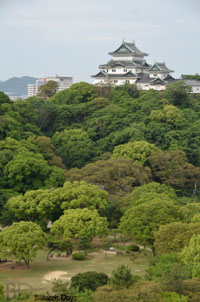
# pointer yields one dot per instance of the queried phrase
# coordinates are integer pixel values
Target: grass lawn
(97, 261)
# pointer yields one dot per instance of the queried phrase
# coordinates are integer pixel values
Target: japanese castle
(128, 65)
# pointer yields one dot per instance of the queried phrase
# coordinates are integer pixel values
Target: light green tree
(48, 204)
(74, 222)
(138, 151)
(140, 222)
(78, 93)
(191, 255)
(21, 240)
(173, 237)
(149, 192)
(83, 195)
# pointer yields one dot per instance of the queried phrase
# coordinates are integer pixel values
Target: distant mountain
(16, 86)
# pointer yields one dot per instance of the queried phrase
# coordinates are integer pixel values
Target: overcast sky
(73, 37)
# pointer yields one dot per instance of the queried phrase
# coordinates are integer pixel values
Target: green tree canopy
(116, 176)
(148, 192)
(172, 168)
(77, 93)
(140, 222)
(89, 280)
(175, 236)
(47, 90)
(121, 277)
(138, 151)
(21, 240)
(191, 255)
(177, 93)
(74, 147)
(76, 221)
(188, 211)
(170, 115)
(48, 204)
(4, 98)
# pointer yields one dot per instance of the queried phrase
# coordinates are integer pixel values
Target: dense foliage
(92, 158)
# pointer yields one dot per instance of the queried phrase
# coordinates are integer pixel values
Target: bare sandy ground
(56, 275)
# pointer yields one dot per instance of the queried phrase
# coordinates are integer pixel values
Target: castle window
(127, 81)
(113, 70)
(115, 81)
(155, 75)
(125, 70)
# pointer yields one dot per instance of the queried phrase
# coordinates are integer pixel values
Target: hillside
(16, 86)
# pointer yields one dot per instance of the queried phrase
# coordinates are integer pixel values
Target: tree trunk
(153, 251)
(50, 251)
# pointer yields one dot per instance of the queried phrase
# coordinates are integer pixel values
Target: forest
(97, 160)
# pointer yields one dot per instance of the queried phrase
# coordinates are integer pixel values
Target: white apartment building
(63, 83)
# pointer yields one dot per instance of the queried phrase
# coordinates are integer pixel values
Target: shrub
(89, 280)
(78, 256)
(121, 277)
(133, 248)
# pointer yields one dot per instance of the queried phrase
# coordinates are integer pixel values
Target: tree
(191, 76)
(172, 168)
(21, 240)
(30, 171)
(59, 245)
(143, 291)
(162, 265)
(138, 151)
(81, 194)
(47, 150)
(148, 192)
(122, 92)
(140, 222)
(190, 255)
(174, 297)
(74, 147)
(78, 93)
(175, 236)
(4, 99)
(48, 204)
(88, 280)
(107, 120)
(177, 93)
(23, 168)
(99, 103)
(121, 277)
(116, 176)
(47, 90)
(84, 242)
(188, 211)
(74, 222)
(170, 115)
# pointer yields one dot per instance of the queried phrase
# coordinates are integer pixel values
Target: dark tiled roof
(128, 48)
(144, 78)
(169, 79)
(113, 63)
(100, 74)
(192, 82)
(157, 81)
(128, 64)
(103, 74)
(159, 67)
